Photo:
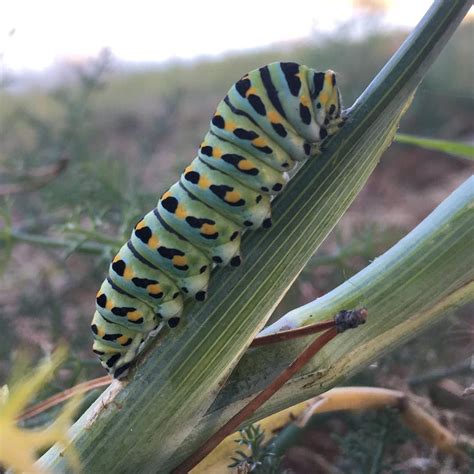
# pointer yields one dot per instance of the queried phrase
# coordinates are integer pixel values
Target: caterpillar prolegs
(270, 119)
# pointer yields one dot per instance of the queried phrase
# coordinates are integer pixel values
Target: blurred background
(103, 103)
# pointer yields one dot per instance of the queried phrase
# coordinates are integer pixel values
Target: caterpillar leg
(116, 363)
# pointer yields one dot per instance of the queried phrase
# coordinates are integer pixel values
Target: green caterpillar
(270, 119)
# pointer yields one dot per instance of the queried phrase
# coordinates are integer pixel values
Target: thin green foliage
(368, 447)
(259, 457)
(5, 235)
(462, 150)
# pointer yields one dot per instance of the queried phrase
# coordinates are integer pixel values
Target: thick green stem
(417, 282)
(400, 272)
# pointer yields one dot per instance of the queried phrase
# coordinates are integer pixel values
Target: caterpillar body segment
(185, 263)
(149, 284)
(246, 135)
(269, 120)
(241, 165)
(239, 203)
(117, 306)
(200, 224)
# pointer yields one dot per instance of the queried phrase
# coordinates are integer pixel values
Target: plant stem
(378, 455)
(256, 402)
(52, 242)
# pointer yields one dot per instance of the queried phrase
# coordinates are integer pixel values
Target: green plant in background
(258, 458)
(364, 450)
(463, 150)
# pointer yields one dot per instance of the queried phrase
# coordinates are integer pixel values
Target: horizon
(142, 34)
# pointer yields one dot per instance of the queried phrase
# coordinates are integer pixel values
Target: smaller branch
(363, 398)
(342, 321)
(106, 380)
(65, 395)
(431, 430)
(292, 334)
(259, 400)
(93, 235)
(36, 179)
(290, 424)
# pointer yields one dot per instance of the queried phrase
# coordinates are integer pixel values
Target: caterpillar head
(333, 104)
(326, 100)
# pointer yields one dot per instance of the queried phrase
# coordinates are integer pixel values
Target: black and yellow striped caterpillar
(270, 119)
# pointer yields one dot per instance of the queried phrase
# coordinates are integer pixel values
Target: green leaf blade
(461, 150)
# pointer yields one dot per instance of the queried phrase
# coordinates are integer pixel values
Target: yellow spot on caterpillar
(328, 77)
(122, 340)
(166, 195)
(230, 126)
(154, 288)
(180, 260)
(109, 304)
(245, 165)
(216, 152)
(128, 273)
(305, 100)
(180, 212)
(232, 196)
(259, 141)
(116, 258)
(188, 169)
(100, 332)
(208, 229)
(323, 98)
(251, 91)
(140, 225)
(153, 242)
(333, 99)
(133, 315)
(273, 116)
(204, 182)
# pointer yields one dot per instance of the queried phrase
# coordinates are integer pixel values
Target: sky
(37, 34)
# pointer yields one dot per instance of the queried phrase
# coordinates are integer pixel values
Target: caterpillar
(272, 118)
